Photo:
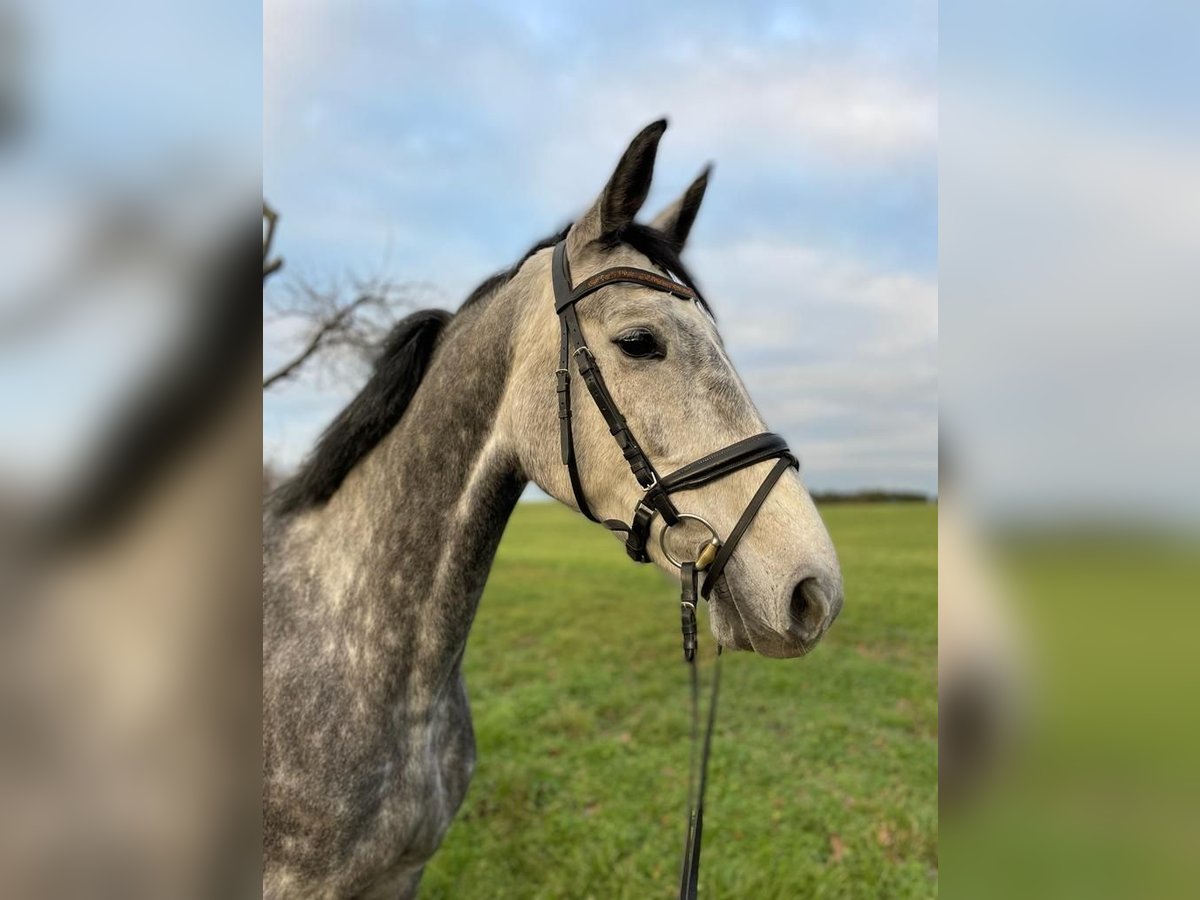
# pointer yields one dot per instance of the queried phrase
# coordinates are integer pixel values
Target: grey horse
(377, 550)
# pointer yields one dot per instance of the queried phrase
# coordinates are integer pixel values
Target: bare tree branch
(271, 218)
(325, 329)
(339, 331)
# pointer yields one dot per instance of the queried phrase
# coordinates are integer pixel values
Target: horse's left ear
(676, 220)
(625, 192)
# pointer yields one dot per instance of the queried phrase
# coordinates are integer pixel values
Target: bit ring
(662, 537)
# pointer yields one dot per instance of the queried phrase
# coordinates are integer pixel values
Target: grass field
(824, 769)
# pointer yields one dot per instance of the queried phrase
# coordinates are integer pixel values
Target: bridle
(656, 497)
(657, 490)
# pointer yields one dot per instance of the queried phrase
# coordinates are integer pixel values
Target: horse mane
(401, 366)
(369, 416)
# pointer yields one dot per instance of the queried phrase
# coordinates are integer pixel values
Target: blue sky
(434, 142)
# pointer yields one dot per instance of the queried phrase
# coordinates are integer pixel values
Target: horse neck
(408, 540)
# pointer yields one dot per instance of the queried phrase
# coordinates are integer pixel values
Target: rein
(656, 500)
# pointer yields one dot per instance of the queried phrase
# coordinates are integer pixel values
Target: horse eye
(639, 344)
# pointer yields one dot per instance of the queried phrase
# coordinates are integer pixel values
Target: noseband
(656, 498)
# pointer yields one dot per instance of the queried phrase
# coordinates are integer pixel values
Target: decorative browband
(627, 275)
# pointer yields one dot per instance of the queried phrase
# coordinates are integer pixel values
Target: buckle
(587, 361)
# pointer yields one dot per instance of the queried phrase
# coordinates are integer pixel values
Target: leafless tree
(338, 326)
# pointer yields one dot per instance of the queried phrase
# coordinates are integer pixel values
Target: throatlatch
(656, 497)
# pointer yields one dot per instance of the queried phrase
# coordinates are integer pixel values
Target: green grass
(824, 769)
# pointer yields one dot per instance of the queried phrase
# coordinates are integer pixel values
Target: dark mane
(401, 366)
(369, 416)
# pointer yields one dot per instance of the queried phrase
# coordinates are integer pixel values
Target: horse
(377, 550)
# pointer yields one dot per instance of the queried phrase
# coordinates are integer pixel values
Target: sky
(1069, 183)
(1056, 144)
(434, 142)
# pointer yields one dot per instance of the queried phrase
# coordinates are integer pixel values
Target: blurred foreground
(1086, 782)
(129, 450)
(1069, 218)
(130, 622)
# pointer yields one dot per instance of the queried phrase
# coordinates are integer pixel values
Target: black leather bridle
(657, 490)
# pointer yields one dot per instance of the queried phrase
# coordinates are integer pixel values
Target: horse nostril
(809, 607)
(799, 601)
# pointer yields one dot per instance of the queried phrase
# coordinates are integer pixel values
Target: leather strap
(689, 879)
(573, 347)
(639, 533)
(565, 434)
(687, 609)
(760, 497)
(643, 470)
(562, 284)
(727, 460)
(628, 275)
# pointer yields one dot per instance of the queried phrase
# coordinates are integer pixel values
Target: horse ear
(676, 220)
(625, 192)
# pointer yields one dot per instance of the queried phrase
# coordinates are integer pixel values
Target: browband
(626, 275)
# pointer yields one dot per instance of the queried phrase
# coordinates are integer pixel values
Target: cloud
(841, 357)
(452, 141)
(816, 288)
(828, 98)
(833, 113)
